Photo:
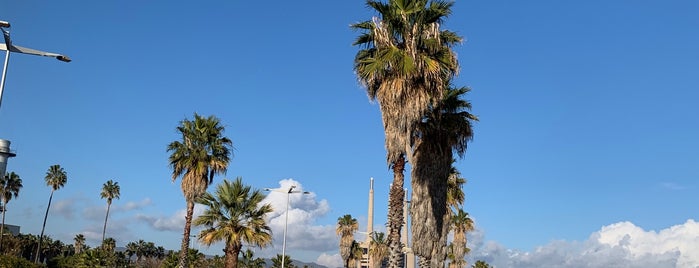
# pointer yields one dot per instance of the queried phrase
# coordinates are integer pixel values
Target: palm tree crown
(234, 214)
(10, 184)
(56, 177)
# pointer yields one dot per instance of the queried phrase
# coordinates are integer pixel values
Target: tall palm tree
(378, 249)
(79, 243)
(10, 184)
(404, 63)
(445, 130)
(202, 153)
(56, 177)
(346, 226)
(461, 224)
(110, 190)
(234, 214)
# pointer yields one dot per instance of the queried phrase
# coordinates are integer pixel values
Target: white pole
(286, 223)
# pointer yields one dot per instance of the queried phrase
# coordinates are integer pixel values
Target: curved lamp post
(286, 219)
(9, 47)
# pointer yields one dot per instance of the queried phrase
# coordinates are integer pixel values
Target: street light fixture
(9, 47)
(286, 219)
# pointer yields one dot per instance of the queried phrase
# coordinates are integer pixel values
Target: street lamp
(9, 47)
(286, 219)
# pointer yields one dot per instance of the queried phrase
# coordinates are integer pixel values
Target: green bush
(16, 262)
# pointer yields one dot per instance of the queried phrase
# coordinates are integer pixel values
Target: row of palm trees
(406, 63)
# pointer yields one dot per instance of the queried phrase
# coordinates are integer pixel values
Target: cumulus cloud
(621, 244)
(131, 205)
(329, 260)
(303, 233)
(174, 222)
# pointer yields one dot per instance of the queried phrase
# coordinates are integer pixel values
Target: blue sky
(588, 114)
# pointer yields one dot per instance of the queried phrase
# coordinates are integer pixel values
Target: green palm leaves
(234, 215)
(346, 226)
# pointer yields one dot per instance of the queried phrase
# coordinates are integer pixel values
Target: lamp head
(63, 58)
(4, 24)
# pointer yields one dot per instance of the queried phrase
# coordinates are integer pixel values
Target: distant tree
(79, 243)
(202, 153)
(461, 224)
(234, 214)
(10, 185)
(346, 226)
(356, 253)
(248, 260)
(56, 178)
(481, 264)
(109, 244)
(131, 249)
(277, 262)
(378, 249)
(110, 190)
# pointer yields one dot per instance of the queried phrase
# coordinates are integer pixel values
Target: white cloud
(131, 205)
(303, 233)
(65, 208)
(617, 245)
(330, 260)
(173, 222)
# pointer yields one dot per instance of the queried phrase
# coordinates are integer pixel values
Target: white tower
(5, 154)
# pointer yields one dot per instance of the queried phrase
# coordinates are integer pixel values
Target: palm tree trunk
(232, 253)
(104, 230)
(2, 228)
(395, 213)
(41, 236)
(187, 231)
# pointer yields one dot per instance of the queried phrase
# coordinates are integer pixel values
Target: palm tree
(108, 244)
(445, 130)
(356, 253)
(404, 62)
(346, 226)
(378, 249)
(277, 262)
(10, 184)
(202, 153)
(131, 249)
(56, 177)
(461, 224)
(481, 264)
(234, 215)
(79, 243)
(455, 192)
(248, 260)
(110, 190)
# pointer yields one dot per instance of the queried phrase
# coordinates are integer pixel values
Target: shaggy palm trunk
(232, 252)
(2, 227)
(185, 240)
(430, 172)
(104, 230)
(395, 213)
(41, 236)
(459, 248)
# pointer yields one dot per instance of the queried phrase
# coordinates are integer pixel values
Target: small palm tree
(202, 153)
(248, 260)
(79, 243)
(234, 214)
(346, 226)
(378, 249)
(110, 190)
(277, 262)
(10, 185)
(356, 253)
(56, 178)
(109, 244)
(461, 224)
(481, 264)
(131, 249)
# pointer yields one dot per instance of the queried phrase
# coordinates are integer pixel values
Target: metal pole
(286, 223)
(4, 73)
